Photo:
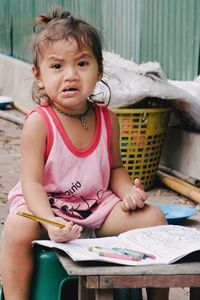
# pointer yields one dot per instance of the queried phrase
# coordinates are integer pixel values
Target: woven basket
(142, 133)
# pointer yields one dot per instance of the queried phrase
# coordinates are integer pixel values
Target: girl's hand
(135, 198)
(60, 235)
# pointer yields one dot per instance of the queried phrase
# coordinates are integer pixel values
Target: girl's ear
(37, 76)
(35, 72)
(99, 77)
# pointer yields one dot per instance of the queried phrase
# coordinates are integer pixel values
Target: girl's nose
(70, 74)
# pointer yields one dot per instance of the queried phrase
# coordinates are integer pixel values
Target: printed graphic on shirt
(77, 206)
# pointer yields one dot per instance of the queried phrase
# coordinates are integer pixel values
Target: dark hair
(56, 26)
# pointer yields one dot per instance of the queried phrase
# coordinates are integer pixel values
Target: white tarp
(129, 83)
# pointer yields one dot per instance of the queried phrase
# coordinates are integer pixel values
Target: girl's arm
(33, 145)
(132, 194)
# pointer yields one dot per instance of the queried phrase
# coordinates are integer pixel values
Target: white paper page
(78, 250)
(168, 242)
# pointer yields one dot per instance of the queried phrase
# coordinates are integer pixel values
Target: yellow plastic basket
(142, 134)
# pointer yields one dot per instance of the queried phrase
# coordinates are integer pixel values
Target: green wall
(166, 31)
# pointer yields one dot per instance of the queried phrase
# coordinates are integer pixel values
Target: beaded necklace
(80, 117)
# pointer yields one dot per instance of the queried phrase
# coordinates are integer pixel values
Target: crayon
(118, 256)
(134, 253)
(129, 252)
(98, 249)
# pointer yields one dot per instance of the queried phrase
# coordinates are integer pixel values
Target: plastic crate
(142, 133)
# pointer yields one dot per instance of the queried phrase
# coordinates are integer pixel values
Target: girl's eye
(83, 63)
(56, 66)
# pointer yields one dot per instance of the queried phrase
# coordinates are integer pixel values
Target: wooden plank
(180, 186)
(104, 294)
(149, 281)
(77, 268)
(91, 282)
(89, 289)
(83, 292)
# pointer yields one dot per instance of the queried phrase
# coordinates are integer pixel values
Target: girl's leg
(17, 258)
(119, 221)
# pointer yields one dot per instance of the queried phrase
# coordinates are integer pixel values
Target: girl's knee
(157, 216)
(19, 230)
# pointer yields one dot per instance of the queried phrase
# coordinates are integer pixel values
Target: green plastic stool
(50, 280)
(1, 293)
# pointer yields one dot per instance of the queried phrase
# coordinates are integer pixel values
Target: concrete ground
(9, 175)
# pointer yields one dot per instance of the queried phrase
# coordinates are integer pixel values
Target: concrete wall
(181, 151)
(16, 80)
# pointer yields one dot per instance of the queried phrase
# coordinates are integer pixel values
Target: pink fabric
(76, 181)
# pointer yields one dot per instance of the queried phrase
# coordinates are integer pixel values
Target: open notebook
(163, 244)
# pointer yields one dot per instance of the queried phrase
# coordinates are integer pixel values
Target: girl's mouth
(70, 92)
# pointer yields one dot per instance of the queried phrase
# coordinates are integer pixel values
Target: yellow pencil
(23, 214)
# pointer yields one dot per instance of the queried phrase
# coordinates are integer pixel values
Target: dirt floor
(9, 175)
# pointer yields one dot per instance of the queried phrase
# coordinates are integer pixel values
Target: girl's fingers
(139, 202)
(124, 206)
(128, 203)
(142, 194)
(75, 229)
(68, 233)
(138, 184)
(135, 201)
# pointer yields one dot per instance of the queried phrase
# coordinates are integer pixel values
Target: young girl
(71, 168)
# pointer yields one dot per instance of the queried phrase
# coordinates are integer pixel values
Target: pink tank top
(76, 181)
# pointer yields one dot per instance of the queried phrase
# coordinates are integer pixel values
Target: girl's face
(68, 74)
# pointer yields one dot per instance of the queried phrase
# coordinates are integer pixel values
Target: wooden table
(103, 278)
